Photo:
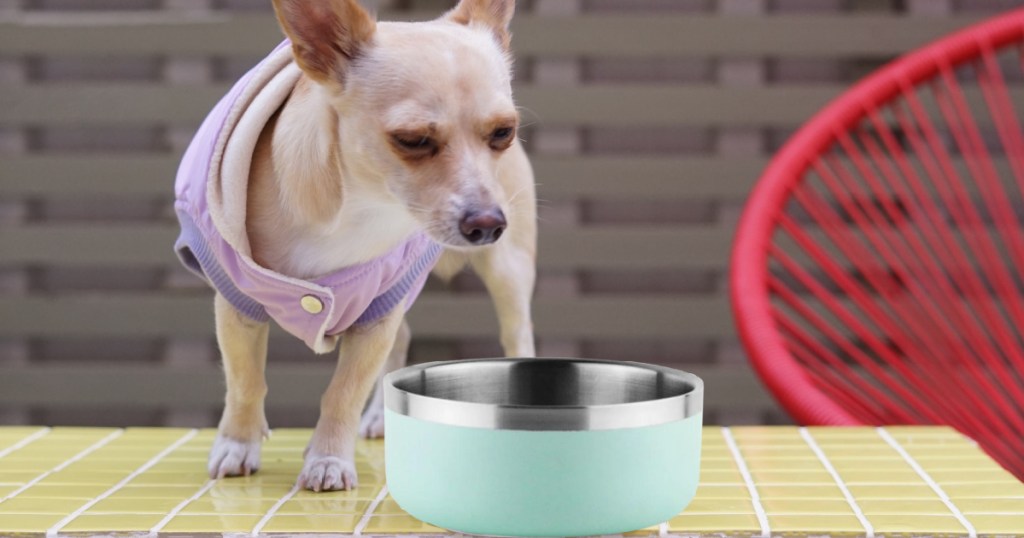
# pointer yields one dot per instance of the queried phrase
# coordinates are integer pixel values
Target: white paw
(327, 473)
(371, 426)
(231, 457)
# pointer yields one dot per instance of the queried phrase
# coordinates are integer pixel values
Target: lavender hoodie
(210, 204)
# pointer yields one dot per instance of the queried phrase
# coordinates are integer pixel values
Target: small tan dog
(392, 129)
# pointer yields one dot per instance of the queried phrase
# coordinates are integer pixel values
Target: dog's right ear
(326, 35)
(493, 14)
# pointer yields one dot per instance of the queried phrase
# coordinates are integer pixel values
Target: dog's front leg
(509, 271)
(330, 456)
(372, 424)
(243, 347)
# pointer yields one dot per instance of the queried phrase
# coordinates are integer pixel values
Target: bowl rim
(644, 413)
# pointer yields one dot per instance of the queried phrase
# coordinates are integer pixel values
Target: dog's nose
(482, 227)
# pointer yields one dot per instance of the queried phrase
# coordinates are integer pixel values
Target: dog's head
(425, 110)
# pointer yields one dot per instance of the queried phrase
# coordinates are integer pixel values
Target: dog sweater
(210, 201)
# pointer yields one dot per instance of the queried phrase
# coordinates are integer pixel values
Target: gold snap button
(312, 304)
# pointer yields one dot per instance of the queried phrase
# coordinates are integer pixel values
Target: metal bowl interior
(544, 393)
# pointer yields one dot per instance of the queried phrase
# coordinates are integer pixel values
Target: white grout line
(755, 497)
(663, 530)
(869, 530)
(369, 511)
(24, 442)
(971, 531)
(273, 510)
(181, 506)
(153, 461)
(92, 448)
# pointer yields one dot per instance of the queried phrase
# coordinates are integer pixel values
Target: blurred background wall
(648, 122)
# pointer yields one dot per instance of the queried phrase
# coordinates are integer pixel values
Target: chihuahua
(391, 130)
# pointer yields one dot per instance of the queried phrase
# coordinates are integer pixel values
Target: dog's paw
(371, 425)
(327, 473)
(231, 457)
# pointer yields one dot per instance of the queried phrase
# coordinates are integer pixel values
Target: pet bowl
(542, 447)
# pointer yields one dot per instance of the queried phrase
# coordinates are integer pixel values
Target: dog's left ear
(326, 35)
(493, 14)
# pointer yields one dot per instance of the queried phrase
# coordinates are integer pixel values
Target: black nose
(482, 227)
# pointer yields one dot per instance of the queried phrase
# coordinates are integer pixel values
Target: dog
(385, 149)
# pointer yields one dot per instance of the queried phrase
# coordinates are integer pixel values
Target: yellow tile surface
(19, 477)
(863, 451)
(36, 505)
(16, 433)
(857, 464)
(714, 523)
(120, 505)
(872, 507)
(399, 524)
(876, 477)
(160, 492)
(710, 476)
(712, 491)
(943, 451)
(1005, 524)
(238, 506)
(757, 453)
(802, 491)
(320, 523)
(67, 477)
(113, 522)
(124, 466)
(229, 489)
(770, 477)
(797, 493)
(177, 466)
(961, 476)
(11, 464)
(816, 523)
(895, 524)
(806, 506)
(27, 523)
(388, 507)
(990, 506)
(703, 505)
(792, 466)
(985, 491)
(64, 492)
(224, 523)
(328, 506)
(954, 462)
(894, 491)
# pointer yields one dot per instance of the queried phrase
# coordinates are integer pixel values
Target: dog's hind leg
(372, 424)
(243, 347)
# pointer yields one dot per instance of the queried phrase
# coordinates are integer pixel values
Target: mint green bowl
(542, 447)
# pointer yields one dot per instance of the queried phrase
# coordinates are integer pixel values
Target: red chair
(878, 271)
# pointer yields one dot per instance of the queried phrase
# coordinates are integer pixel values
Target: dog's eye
(501, 137)
(416, 145)
(501, 133)
(414, 142)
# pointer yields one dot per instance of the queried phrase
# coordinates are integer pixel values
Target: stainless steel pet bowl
(542, 447)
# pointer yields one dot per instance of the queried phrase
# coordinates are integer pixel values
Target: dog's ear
(493, 14)
(326, 35)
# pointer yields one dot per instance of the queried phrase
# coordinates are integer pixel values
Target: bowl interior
(544, 382)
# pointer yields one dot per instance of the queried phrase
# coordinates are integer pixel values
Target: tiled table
(755, 481)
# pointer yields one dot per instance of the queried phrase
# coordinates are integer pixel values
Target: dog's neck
(308, 213)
